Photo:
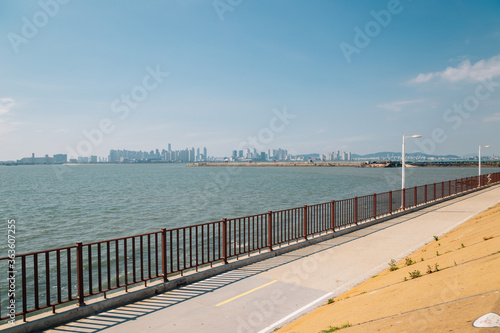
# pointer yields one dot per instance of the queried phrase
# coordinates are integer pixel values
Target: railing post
(79, 273)
(333, 215)
(224, 240)
(305, 222)
(442, 189)
(449, 187)
(390, 202)
(375, 205)
(415, 201)
(356, 210)
(425, 194)
(164, 254)
(403, 204)
(434, 194)
(270, 230)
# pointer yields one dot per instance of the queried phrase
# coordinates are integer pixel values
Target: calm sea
(58, 206)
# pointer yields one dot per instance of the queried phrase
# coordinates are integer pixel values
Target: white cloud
(465, 71)
(492, 118)
(6, 104)
(398, 106)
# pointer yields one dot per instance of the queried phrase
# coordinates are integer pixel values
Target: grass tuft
(415, 274)
(336, 328)
(409, 262)
(392, 265)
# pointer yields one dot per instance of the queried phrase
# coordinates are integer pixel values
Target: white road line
(293, 314)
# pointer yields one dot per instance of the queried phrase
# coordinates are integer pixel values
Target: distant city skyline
(312, 77)
(201, 155)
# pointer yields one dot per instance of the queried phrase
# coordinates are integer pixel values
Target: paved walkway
(267, 294)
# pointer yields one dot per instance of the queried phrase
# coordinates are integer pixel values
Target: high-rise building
(61, 158)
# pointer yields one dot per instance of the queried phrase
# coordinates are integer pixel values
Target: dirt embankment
(443, 287)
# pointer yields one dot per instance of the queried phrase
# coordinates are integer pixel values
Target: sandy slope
(466, 286)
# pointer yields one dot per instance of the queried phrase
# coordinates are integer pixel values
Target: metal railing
(47, 279)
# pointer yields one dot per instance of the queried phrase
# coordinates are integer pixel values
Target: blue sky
(425, 67)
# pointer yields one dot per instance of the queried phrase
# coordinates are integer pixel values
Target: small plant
(435, 238)
(439, 244)
(429, 269)
(415, 274)
(392, 265)
(437, 253)
(336, 328)
(436, 268)
(363, 292)
(421, 259)
(405, 279)
(374, 276)
(409, 262)
(331, 300)
(463, 245)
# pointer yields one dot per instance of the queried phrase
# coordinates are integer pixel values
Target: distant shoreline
(351, 164)
(346, 164)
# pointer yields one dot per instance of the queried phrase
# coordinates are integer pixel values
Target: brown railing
(46, 279)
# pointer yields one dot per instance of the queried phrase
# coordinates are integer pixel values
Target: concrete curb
(97, 305)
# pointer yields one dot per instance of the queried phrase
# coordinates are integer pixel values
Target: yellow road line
(246, 293)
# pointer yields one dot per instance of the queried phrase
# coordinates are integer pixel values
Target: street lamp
(487, 146)
(403, 157)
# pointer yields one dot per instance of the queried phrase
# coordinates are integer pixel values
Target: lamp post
(487, 146)
(403, 165)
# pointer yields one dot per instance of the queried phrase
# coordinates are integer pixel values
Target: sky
(83, 77)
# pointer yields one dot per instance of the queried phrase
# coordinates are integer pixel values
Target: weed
(409, 262)
(392, 265)
(463, 245)
(336, 328)
(437, 253)
(415, 274)
(429, 269)
(435, 238)
(421, 259)
(439, 244)
(363, 292)
(331, 300)
(405, 279)
(374, 276)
